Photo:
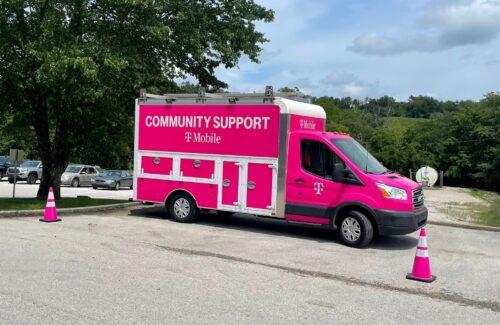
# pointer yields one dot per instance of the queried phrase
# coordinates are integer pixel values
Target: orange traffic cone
(421, 265)
(50, 209)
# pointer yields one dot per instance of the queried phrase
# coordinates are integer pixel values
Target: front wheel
(75, 182)
(182, 208)
(31, 179)
(355, 229)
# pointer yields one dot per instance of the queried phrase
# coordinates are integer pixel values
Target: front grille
(418, 198)
(12, 170)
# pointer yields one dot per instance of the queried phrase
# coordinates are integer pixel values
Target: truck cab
(334, 180)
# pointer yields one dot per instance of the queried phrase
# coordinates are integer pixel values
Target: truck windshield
(30, 164)
(359, 156)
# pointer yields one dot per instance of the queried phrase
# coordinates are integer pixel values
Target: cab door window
(318, 159)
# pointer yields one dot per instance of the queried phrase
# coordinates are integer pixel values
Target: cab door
(310, 189)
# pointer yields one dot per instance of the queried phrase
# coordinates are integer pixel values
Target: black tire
(75, 182)
(2, 175)
(132, 186)
(357, 230)
(117, 186)
(31, 179)
(94, 187)
(11, 180)
(182, 208)
(225, 213)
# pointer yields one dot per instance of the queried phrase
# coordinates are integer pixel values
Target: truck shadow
(274, 227)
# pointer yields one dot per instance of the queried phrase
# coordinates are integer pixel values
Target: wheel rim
(351, 229)
(181, 208)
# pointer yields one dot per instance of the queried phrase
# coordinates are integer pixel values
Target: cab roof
(289, 106)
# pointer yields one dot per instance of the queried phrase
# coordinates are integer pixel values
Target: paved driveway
(137, 267)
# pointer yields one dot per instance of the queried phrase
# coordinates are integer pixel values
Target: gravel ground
(451, 204)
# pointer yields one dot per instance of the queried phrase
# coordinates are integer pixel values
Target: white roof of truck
(288, 106)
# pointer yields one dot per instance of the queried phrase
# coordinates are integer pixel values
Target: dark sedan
(113, 179)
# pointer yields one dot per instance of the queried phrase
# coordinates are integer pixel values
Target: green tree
(71, 68)
(287, 89)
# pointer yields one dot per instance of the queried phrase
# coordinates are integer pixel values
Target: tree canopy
(69, 70)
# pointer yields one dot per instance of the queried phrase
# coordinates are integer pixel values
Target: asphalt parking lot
(139, 267)
(30, 190)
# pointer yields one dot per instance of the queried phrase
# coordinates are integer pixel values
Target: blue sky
(449, 49)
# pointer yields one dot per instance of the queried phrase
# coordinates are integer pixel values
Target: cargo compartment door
(231, 185)
(261, 188)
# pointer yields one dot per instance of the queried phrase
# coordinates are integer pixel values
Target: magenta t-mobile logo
(318, 188)
(187, 136)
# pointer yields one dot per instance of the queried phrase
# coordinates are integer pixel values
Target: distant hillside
(460, 138)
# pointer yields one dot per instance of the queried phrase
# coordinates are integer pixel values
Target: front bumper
(21, 176)
(400, 222)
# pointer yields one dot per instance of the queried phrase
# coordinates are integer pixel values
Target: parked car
(113, 179)
(5, 163)
(29, 171)
(79, 175)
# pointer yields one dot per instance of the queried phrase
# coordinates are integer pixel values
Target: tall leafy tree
(71, 68)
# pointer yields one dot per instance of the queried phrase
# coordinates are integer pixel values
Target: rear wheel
(182, 208)
(94, 187)
(355, 229)
(11, 180)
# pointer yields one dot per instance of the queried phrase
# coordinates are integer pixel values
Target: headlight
(390, 192)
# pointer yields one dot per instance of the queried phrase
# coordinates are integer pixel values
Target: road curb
(464, 226)
(67, 211)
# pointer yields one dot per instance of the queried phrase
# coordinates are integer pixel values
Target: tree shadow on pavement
(274, 227)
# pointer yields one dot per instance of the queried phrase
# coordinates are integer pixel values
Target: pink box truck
(266, 155)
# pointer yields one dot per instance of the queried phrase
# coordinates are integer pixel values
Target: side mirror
(343, 175)
(338, 174)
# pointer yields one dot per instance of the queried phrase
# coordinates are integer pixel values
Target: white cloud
(446, 24)
(349, 84)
